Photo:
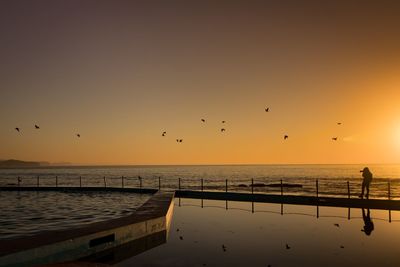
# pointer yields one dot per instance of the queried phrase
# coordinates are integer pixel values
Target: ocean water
(332, 179)
(27, 213)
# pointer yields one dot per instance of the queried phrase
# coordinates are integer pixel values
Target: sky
(120, 73)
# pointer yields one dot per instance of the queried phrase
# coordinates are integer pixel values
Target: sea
(341, 180)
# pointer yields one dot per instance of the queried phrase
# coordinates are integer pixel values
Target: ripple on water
(27, 213)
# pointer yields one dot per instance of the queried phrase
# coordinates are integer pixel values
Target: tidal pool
(220, 233)
(26, 213)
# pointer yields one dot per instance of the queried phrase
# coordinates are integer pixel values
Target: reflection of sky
(260, 238)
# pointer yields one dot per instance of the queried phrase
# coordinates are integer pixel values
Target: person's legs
(367, 186)
(362, 189)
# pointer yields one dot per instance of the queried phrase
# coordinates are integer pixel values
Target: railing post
(226, 185)
(179, 183)
(252, 185)
(56, 181)
(281, 187)
(105, 183)
(389, 190)
(140, 181)
(19, 181)
(201, 184)
(159, 183)
(80, 181)
(316, 184)
(37, 181)
(348, 189)
(122, 182)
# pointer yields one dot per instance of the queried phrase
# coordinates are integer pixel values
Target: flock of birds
(37, 128)
(285, 137)
(180, 140)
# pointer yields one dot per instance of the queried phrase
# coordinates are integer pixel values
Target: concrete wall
(59, 246)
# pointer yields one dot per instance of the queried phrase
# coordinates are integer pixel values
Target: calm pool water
(274, 236)
(26, 213)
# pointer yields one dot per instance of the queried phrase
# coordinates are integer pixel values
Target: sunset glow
(120, 79)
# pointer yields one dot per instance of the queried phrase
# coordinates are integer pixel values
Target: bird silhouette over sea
(339, 123)
(223, 121)
(203, 120)
(285, 137)
(78, 135)
(37, 127)
(17, 129)
(179, 140)
(223, 247)
(222, 130)
(334, 138)
(287, 246)
(267, 110)
(164, 133)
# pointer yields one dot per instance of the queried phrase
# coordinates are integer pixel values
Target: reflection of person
(368, 224)
(367, 178)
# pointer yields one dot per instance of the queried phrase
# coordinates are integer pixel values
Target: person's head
(365, 170)
(367, 230)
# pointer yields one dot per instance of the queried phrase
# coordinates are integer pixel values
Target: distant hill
(13, 163)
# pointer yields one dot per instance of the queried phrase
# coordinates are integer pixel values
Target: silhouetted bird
(336, 224)
(339, 123)
(285, 137)
(17, 129)
(203, 120)
(223, 121)
(223, 248)
(287, 246)
(78, 135)
(267, 110)
(341, 246)
(222, 130)
(177, 229)
(37, 127)
(334, 138)
(179, 140)
(164, 133)
(181, 237)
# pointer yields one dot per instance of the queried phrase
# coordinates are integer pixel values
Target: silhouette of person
(368, 224)
(367, 178)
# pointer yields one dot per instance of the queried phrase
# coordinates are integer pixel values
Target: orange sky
(120, 73)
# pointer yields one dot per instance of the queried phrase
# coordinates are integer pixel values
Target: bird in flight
(267, 110)
(37, 127)
(78, 135)
(334, 138)
(339, 123)
(179, 140)
(287, 246)
(17, 129)
(203, 120)
(285, 137)
(164, 133)
(336, 224)
(223, 247)
(223, 121)
(222, 130)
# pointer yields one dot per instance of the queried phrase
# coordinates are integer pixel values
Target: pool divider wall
(381, 204)
(152, 217)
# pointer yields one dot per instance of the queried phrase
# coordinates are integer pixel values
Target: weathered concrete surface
(67, 245)
(296, 200)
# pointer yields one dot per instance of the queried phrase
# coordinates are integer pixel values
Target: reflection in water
(368, 224)
(128, 250)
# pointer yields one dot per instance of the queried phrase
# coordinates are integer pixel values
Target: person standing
(367, 178)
